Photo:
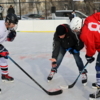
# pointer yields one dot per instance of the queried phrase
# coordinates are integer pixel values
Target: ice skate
(49, 78)
(0, 91)
(7, 78)
(84, 77)
(94, 85)
(95, 96)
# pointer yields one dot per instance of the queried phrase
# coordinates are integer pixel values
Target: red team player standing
(90, 35)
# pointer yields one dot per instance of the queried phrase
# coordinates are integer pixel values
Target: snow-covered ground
(32, 52)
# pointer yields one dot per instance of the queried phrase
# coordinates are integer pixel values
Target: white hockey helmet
(76, 24)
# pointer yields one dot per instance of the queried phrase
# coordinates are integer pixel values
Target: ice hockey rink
(32, 52)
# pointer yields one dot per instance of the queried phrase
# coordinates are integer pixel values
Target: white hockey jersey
(3, 32)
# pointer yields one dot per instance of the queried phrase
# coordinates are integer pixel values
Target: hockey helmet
(11, 18)
(76, 24)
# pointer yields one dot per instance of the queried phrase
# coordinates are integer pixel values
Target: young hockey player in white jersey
(7, 33)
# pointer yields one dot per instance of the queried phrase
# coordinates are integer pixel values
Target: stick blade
(55, 92)
(64, 87)
(72, 85)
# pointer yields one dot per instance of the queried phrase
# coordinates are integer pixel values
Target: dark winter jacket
(71, 16)
(71, 40)
(10, 10)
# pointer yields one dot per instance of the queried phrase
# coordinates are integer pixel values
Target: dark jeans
(76, 56)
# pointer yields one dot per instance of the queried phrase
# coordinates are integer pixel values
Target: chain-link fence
(23, 7)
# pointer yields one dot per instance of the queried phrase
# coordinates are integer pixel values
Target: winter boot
(6, 77)
(49, 78)
(95, 95)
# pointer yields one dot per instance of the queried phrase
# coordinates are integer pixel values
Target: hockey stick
(48, 92)
(72, 85)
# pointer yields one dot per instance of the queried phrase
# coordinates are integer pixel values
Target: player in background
(7, 33)
(1, 12)
(65, 40)
(72, 15)
(90, 35)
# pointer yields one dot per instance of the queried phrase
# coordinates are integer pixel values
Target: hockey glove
(89, 59)
(3, 51)
(11, 36)
(72, 51)
(54, 64)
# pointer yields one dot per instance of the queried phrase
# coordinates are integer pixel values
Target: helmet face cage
(14, 28)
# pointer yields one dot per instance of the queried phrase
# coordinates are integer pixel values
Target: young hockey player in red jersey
(65, 40)
(7, 33)
(90, 35)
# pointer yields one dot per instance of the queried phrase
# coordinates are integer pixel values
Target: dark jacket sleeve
(56, 48)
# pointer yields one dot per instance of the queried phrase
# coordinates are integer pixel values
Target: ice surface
(32, 52)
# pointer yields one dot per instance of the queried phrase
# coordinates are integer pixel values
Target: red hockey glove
(3, 51)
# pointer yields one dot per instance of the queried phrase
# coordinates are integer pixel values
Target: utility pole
(20, 8)
(45, 9)
(72, 4)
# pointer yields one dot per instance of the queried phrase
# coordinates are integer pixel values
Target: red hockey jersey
(90, 34)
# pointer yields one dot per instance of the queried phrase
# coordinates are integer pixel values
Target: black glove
(54, 64)
(11, 35)
(89, 59)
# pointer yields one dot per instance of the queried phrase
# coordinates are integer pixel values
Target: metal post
(73, 5)
(20, 9)
(45, 9)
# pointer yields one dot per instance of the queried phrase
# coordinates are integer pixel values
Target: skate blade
(64, 87)
(84, 84)
(7, 81)
(94, 87)
(49, 81)
(93, 99)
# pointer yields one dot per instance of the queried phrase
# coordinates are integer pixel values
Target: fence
(43, 8)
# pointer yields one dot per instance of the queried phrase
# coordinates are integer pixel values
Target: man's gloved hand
(54, 64)
(72, 51)
(3, 51)
(89, 59)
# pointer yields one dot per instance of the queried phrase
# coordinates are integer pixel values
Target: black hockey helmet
(11, 18)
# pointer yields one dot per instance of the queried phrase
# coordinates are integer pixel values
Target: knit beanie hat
(60, 30)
